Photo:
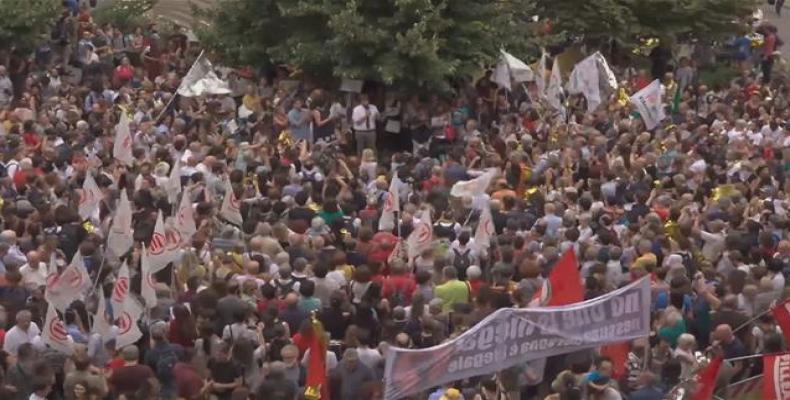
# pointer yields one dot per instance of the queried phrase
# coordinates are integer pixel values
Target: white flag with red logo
(391, 205)
(421, 237)
(185, 220)
(147, 280)
(164, 246)
(122, 146)
(397, 252)
(54, 333)
(68, 286)
(128, 331)
(173, 185)
(485, 230)
(776, 376)
(231, 206)
(121, 288)
(120, 238)
(101, 323)
(90, 197)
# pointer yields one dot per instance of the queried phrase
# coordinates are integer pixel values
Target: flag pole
(750, 356)
(98, 272)
(175, 94)
(752, 319)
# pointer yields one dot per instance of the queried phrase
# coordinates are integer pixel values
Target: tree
(410, 43)
(628, 21)
(125, 14)
(24, 22)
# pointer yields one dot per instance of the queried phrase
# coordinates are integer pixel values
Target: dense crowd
(699, 205)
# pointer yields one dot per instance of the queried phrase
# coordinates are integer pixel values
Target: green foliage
(629, 20)
(125, 14)
(24, 22)
(410, 43)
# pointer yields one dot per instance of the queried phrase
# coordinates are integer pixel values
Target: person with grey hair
(163, 356)
(124, 381)
(24, 331)
(275, 385)
(353, 375)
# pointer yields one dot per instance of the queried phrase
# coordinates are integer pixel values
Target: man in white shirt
(6, 88)
(23, 332)
(34, 273)
(364, 122)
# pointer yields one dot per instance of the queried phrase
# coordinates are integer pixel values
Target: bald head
(723, 333)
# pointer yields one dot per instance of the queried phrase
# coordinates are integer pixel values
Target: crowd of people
(699, 205)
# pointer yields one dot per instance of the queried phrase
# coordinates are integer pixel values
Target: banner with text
(514, 336)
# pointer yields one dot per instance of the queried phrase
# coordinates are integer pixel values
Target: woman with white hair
(685, 354)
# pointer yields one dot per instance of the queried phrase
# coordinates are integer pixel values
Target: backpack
(4, 168)
(461, 262)
(397, 298)
(164, 365)
(285, 288)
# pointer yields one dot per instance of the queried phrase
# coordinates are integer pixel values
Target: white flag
(68, 286)
(122, 146)
(164, 246)
(421, 237)
(201, 79)
(101, 323)
(120, 239)
(501, 75)
(54, 333)
(485, 230)
(147, 281)
(173, 186)
(608, 76)
(540, 78)
(648, 103)
(128, 331)
(90, 196)
(554, 94)
(185, 220)
(585, 79)
(391, 205)
(231, 206)
(121, 288)
(509, 69)
(397, 252)
(473, 187)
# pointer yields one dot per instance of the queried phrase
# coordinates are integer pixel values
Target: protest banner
(513, 336)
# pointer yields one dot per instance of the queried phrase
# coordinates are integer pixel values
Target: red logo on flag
(158, 243)
(125, 323)
(86, 196)
(73, 277)
(234, 201)
(121, 289)
(423, 233)
(173, 239)
(56, 330)
(150, 280)
(388, 203)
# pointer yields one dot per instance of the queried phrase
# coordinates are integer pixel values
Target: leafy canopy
(413, 43)
(23, 23)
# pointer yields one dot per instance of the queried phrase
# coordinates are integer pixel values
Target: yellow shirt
(452, 292)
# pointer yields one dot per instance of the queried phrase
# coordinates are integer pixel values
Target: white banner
(512, 336)
(648, 103)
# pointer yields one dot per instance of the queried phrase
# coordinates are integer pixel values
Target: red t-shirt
(31, 139)
(124, 72)
(403, 284)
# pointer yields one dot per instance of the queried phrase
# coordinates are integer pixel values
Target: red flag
(706, 380)
(618, 353)
(316, 382)
(564, 285)
(782, 316)
(776, 376)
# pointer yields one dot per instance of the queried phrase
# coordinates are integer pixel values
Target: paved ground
(783, 22)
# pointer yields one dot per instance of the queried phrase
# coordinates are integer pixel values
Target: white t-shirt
(34, 278)
(358, 117)
(17, 337)
(369, 357)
